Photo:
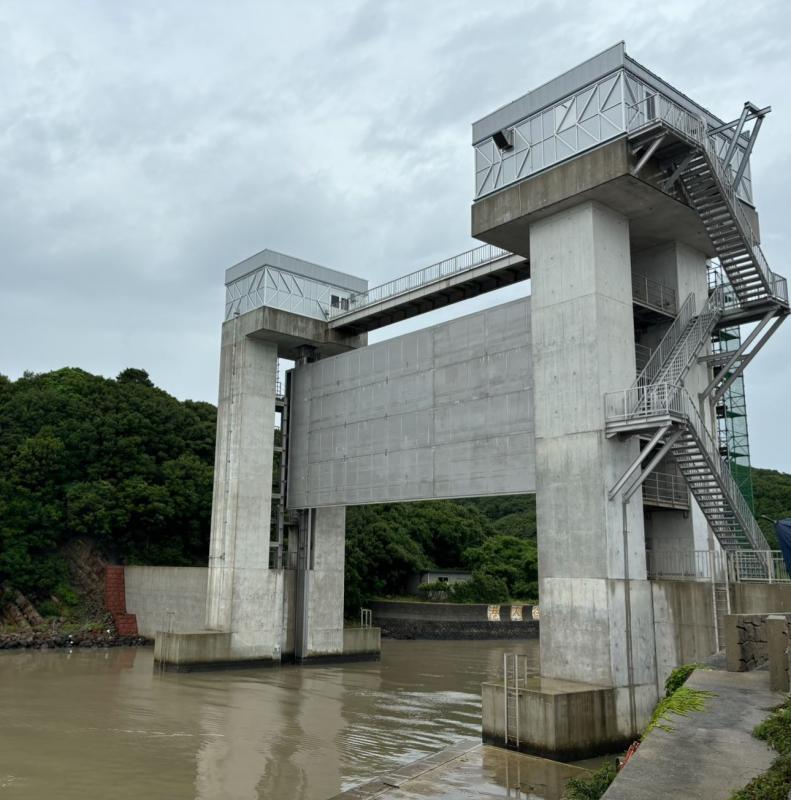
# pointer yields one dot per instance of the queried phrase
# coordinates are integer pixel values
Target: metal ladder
(514, 678)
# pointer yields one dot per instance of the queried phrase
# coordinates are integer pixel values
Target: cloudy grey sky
(146, 146)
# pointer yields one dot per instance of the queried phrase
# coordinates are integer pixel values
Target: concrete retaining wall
(151, 592)
(404, 620)
(760, 598)
(684, 624)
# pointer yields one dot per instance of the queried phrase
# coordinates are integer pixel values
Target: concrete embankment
(707, 754)
(412, 620)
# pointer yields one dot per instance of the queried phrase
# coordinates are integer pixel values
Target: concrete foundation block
(565, 720)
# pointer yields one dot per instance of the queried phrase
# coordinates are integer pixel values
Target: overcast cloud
(147, 146)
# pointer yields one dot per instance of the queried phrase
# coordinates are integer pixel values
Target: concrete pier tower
(618, 189)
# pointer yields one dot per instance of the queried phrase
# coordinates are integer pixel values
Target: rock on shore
(50, 640)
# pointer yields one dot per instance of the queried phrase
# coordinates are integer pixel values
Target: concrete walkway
(470, 770)
(709, 754)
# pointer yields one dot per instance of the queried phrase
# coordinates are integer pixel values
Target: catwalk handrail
(470, 259)
(657, 107)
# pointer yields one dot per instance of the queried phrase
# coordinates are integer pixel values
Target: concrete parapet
(760, 598)
(362, 641)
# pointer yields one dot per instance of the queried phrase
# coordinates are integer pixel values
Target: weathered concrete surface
(442, 412)
(596, 618)
(166, 598)
(708, 754)
(760, 598)
(561, 720)
(684, 624)
(470, 770)
(777, 631)
(242, 596)
(361, 641)
(602, 175)
(324, 600)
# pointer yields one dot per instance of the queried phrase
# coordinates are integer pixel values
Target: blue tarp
(783, 530)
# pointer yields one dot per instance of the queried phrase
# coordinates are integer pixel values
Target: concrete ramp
(709, 754)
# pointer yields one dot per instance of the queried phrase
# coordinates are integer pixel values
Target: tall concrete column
(596, 618)
(319, 584)
(245, 597)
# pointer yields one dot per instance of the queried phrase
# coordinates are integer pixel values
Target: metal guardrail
(643, 402)
(667, 344)
(658, 108)
(366, 617)
(733, 566)
(687, 564)
(470, 259)
(666, 488)
(673, 364)
(654, 294)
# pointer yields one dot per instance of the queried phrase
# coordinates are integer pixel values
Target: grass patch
(775, 783)
(591, 788)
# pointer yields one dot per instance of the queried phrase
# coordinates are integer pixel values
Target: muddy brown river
(105, 724)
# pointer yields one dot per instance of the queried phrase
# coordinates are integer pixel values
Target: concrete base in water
(207, 650)
(561, 720)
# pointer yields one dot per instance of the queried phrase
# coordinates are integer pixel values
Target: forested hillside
(128, 467)
(117, 461)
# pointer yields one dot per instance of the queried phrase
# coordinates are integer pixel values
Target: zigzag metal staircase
(658, 405)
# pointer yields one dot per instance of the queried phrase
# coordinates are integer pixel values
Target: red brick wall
(115, 600)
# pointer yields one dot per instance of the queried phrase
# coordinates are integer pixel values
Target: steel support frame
(652, 148)
(739, 355)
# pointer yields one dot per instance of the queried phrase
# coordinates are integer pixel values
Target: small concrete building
(613, 391)
(446, 576)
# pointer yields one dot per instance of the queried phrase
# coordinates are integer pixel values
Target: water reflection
(99, 723)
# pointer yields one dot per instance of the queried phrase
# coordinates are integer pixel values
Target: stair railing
(665, 347)
(659, 107)
(721, 468)
(669, 357)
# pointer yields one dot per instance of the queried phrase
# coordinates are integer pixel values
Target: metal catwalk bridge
(482, 269)
(460, 277)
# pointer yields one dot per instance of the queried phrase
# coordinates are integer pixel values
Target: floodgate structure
(614, 392)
